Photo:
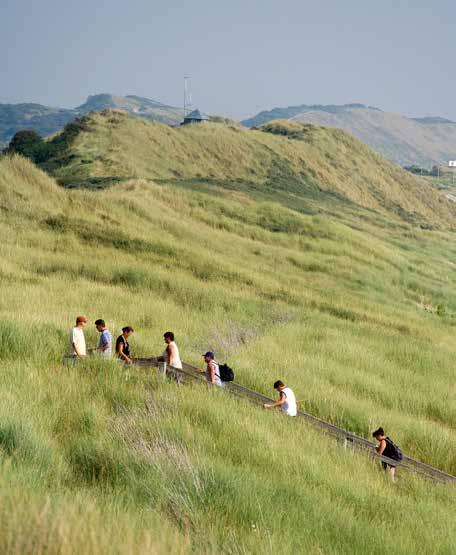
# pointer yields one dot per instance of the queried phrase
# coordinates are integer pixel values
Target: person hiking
(123, 347)
(76, 343)
(387, 448)
(212, 370)
(171, 353)
(104, 347)
(287, 400)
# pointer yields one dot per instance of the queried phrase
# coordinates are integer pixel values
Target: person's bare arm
(122, 355)
(212, 373)
(168, 354)
(281, 401)
(381, 447)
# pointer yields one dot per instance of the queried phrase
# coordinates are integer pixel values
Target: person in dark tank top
(387, 448)
(123, 347)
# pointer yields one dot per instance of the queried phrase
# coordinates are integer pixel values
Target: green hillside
(322, 169)
(406, 141)
(295, 253)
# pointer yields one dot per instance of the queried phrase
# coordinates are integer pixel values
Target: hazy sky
(243, 56)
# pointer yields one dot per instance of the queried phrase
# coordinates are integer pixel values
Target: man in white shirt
(77, 342)
(286, 402)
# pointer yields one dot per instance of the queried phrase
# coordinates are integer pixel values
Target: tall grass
(314, 163)
(101, 458)
(130, 463)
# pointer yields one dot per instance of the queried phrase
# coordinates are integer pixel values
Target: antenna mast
(186, 78)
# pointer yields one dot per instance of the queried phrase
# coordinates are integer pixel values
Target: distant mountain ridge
(145, 107)
(292, 111)
(47, 120)
(433, 119)
(44, 119)
(407, 141)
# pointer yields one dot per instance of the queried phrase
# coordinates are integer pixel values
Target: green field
(292, 258)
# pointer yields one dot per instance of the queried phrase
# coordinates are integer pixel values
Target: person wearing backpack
(286, 402)
(212, 371)
(387, 448)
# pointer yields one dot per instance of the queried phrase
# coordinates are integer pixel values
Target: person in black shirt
(387, 448)
(123, 347)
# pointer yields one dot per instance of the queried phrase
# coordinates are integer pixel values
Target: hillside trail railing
(348, 439)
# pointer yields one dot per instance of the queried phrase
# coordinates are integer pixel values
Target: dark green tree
(30, 144)
(25, 143)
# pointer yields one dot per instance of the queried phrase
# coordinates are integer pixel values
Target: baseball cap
(209, 354)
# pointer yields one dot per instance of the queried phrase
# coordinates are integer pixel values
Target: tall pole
(186, 77)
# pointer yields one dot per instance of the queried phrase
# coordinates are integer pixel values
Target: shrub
(9, 437)
(30, 144)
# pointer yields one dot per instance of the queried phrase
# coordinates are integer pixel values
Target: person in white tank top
(171, 353)
(286, 402)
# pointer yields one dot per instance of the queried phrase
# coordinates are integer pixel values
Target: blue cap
(209, 354)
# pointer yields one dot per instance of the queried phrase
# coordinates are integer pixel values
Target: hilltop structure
(195, 117)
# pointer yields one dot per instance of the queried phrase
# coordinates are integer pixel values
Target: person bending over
(388, 449)
(286, 402)
(123, 347)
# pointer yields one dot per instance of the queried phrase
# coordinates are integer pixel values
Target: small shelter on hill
(195, 117)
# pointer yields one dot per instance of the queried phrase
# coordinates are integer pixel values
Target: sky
(242, 56)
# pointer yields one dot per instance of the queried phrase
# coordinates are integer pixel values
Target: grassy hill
(321, 169)
(406, 141)
(289, 266)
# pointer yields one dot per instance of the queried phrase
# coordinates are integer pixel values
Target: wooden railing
(348, 439)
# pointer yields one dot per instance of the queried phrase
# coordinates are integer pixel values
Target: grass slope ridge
(406, 141)
(47, 120)
(322, 167)
(357, 315)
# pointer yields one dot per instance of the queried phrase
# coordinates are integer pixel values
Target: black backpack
(226, 373)
(396, 453)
